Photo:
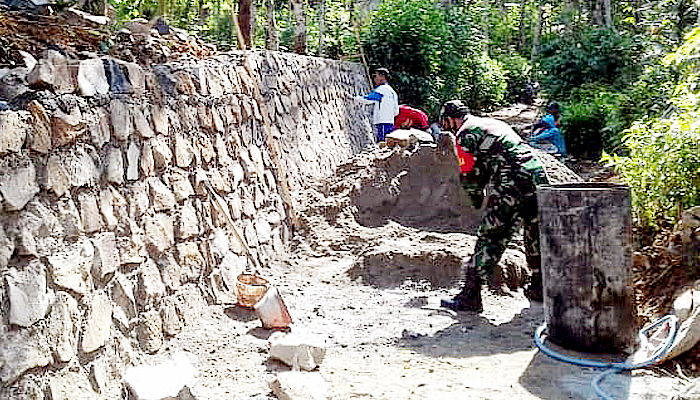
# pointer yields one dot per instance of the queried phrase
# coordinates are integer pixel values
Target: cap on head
(382, 71)
(454, 109)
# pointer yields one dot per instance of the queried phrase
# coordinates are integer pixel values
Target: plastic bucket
(272, 311)
(251, 288)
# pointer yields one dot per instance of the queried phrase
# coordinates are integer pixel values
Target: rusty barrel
(586, 246)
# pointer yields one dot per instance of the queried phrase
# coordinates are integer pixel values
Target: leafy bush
(590, 56)
(482, 82)
(518, 72)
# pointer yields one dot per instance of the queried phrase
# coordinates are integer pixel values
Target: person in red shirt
(410, 117)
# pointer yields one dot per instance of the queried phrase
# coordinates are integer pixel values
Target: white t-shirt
(386, 108)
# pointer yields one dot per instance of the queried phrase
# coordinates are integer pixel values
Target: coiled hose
(615, 367)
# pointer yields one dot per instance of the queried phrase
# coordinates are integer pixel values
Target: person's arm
(546, 134)
(475, 182)
(370, 98)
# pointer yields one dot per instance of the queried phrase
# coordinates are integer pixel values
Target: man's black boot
(469, 299)
(533, 291)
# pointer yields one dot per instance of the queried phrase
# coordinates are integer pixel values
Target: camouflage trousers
(511, 203)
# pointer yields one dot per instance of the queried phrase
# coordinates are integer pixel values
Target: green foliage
(518, 73)
(663, 164)
(588, 56)
(482, 82)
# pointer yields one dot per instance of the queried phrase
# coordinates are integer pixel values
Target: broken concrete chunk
(306, 351)
(67, 128)
(164, 381)
(18, 182)
(300, 385)
(150, 331)
(71, 268)
(14, 126)
(91, 78)
(69, 385)
(28, 295)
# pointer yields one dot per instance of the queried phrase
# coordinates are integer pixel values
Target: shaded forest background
(624, 72)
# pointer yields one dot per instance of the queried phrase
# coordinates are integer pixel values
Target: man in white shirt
(386, 104)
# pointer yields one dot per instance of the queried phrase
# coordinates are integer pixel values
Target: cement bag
(272, 311)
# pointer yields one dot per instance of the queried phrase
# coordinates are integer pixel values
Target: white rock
(300, 385)
(7, 247)
(28, 295)
(150, 331)
(89, 213)
(172, 324)
(100, 130)
(132, 158)
(62, 327)
(162, 381)
(161, 197)
(151, 287)
(18, 182)
(71, 268)
(263, 230)
(98, 323)
(160, 119)
(69, 385)
(122, 124)
(40, 134)
(81, 167)
(106, 201)
(236, 173)
(143, 127)
(250, 235)
(159, 232)
(14, 126)
(20, 351)
(184, 154)
(162, 155)
(170, 272)
(69, 218)
(114, 168)
(147, 163)
(91, 77)
(106, 255)
(188, 225)
(66, 128)
(307, 351)
(121, 292)
(57, 177)
(190, 260)
(54, 70)
(182, 188)
(256, 158)
(139, 200)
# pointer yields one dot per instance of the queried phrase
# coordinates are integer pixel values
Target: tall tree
(538, 32)
(607, 14)
(521, 28)
(321, 28)
(272, 41)
(299, 38)
(245, 12)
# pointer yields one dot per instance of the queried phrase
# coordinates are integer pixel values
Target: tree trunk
(538, 32)
(272, 41)
(485, 23)
(299, 39)
(521, 28)
(597, 12)
(607, 13)
(321, 28)
(244, 14)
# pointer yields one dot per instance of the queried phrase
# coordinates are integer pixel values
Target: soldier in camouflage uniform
(509, 167)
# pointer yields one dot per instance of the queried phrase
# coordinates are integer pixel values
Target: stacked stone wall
(133, 197)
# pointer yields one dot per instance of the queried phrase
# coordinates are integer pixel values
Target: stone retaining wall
(130, 198)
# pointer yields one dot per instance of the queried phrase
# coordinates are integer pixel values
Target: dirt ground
(373, 292)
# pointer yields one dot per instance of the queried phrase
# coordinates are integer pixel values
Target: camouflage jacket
(500, 155)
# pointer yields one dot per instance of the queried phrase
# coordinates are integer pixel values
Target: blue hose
(614, 367)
